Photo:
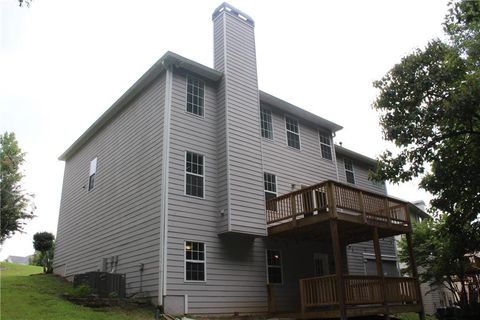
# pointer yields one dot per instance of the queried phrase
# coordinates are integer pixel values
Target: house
(17, 259)
(214, 197)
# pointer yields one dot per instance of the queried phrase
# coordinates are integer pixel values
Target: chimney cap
(225, 7)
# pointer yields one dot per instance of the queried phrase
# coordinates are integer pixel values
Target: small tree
(16, 204)
(442, 255)
(43, 242)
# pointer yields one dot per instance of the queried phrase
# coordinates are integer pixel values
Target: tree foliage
(429, 107)
(16, 204)
(44, 243)
(441, 255)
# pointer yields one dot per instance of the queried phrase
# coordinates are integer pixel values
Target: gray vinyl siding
(292, 166)
(120, 216)
(356, 254)
(361, 171)
(235, 267)
(236, 44)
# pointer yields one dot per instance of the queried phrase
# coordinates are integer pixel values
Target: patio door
(320, 265)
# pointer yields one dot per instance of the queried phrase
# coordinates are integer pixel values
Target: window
(293, 137)
(195, 95)
(93, 172)
(270, 182)
(325, 145)
(194, 174)
(349, 171)
(274, 266)
(266, 122)
(194, 261)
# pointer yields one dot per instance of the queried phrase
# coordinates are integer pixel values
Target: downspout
(162, 279)
(334, 134)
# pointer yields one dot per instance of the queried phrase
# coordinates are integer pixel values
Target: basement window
(274, 266)
(195, 267)
(93, 172)
(195, 95)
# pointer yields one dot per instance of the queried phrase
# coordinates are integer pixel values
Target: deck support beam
(337, 254)
(413, 266)
(378, 260)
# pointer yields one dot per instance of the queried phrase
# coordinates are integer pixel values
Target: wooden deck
(357, 211)
(342, 214)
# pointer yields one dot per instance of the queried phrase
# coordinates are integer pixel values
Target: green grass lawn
(412, 316)
(27, 294)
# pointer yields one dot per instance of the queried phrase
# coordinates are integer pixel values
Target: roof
(168, 59)
(17, 259)
(173, 59)
(355, 155)
(299, 112)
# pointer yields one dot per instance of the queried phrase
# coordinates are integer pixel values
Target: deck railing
(359, 290)
(329, 197)
(363, 290)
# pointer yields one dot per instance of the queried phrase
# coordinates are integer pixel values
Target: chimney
(240, 171)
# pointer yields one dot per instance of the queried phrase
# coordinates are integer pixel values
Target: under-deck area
(338, 215)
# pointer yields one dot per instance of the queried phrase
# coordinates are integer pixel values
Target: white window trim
(352, 171)
(276, 188)
(321, 143)
(271, 115)
(194, 174)
(286, 132)
(268, 266)
(186, 97)
(194, 261)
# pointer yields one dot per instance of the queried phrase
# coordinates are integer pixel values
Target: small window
(195, 95)
(93, 172)
(194, 174)
(270, 182)
(194, 261)
(293, 136)
(349, 171)
(325, 144)
(274, 266)
(266, 122)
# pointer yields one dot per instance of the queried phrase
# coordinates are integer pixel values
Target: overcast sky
(63, 63)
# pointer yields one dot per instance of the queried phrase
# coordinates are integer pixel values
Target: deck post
(413, 266)
(332, 199)
(362, 206)
(293, 204)
(302, 296)
(387, 211)
(338, 268)
(378, 260)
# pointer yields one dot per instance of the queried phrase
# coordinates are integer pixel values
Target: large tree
(16, 204)
(429, 106)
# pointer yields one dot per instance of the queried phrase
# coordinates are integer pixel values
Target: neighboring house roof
(414, 209)
(173, 59)
(354, 155)
(17, 259)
